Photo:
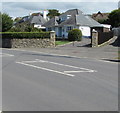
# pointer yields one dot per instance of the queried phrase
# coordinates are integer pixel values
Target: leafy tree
(7, 22)
(53, 12)
(103, 21)
(114, 18)
(0, 22)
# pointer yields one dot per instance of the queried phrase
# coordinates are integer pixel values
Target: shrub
(75, 35)
(25, 35)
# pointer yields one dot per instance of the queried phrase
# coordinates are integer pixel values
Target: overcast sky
(19, 9)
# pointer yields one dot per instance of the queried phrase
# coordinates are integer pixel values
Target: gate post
(52, 37)
(94, 38)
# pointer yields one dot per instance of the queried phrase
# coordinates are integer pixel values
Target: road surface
(37, 81)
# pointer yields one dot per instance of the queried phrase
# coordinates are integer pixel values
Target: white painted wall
(86, 31)
(39, 26)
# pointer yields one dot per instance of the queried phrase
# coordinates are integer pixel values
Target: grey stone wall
(94, 38)
(29, 42)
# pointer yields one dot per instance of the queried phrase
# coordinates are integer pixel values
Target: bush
(75, 35)
(25, 35)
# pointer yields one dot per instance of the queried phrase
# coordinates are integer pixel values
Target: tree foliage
(103, 21)
(114, 18)
(75, 35)
(25, 28)
(53, 12)
(7, 22)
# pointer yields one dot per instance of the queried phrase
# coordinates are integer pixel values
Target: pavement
(82, 49)
(40, 81)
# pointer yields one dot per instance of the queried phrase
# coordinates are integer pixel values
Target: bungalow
(69, 20)
(35, 19)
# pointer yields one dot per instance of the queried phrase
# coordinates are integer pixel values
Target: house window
(49, 29)
(69, 28)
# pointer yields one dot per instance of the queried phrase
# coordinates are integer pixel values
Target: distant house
(35, 19)
(69, 20)
(100, 16)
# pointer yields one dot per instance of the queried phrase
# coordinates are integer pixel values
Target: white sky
(18, 8)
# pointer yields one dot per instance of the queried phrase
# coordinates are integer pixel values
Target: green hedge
(75, 35)
(25, 34)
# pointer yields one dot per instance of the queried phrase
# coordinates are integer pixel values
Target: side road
(83, 49)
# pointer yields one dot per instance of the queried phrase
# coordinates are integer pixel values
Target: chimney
(45, 14)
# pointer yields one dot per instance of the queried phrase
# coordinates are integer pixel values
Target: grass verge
(61, 42)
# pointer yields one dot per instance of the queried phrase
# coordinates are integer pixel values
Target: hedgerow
(25, 34)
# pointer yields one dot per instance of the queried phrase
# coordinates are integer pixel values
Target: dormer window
(68, 16)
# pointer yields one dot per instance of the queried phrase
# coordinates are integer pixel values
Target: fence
(101, 38)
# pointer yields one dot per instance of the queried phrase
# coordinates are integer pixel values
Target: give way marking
(61, 66)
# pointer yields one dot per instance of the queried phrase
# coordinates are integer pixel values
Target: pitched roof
(76, 18)
(70, 21)
(99, 15)
(86, 21)
(52, 22)
(37, 20)
(72, 12)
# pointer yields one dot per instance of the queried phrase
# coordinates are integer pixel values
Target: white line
(67, 65)
(78, 71)
(107, 61)
(29, 61)
(46, 69)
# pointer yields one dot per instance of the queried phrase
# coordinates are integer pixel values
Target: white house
(69, 20)
(35, 19)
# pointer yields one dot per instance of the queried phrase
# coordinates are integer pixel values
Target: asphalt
(42, 81)
(82, 49)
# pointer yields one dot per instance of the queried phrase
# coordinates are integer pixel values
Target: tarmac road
(35, 81)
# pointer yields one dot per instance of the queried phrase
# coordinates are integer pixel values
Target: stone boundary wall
(29, 42)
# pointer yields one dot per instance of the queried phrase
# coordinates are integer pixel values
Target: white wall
(86, 31)
(39, 26)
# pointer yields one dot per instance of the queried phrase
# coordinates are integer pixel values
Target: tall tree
(7, 22)
(114, 18)
(53, 12)
(0, 22)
